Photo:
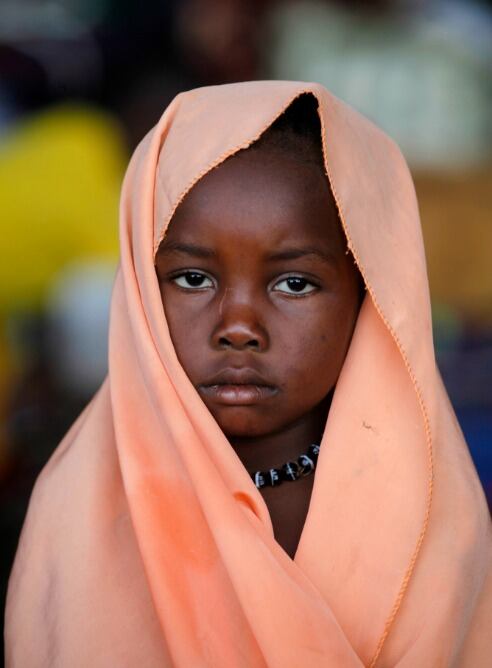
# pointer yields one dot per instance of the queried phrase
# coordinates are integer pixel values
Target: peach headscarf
(146, 542)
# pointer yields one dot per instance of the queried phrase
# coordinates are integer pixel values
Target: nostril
(225, 343)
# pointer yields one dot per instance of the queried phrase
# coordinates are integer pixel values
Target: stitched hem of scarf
(230, 152)
(428, 436)
(227, 154)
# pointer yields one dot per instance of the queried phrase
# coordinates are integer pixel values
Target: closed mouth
(238, 386)
(238, 394)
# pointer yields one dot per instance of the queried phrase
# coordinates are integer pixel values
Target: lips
(238, 387)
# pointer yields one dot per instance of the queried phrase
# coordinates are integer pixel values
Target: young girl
(272, 474)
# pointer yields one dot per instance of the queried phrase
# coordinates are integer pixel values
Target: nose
(239, 326)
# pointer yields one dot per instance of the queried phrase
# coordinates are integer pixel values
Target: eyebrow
(189, 249)
(294, 253)
(285, 254)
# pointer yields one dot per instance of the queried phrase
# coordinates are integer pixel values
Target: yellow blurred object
(60, 178)
(457, 226)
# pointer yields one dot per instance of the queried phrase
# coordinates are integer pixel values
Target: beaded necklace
(304, 465)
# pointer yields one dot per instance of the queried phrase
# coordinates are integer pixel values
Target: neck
(260, 453)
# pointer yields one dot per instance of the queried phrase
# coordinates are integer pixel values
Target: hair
(297, 131)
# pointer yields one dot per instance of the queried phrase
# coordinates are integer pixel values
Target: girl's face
(259, 294)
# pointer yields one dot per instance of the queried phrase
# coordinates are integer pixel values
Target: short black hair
(297, 130)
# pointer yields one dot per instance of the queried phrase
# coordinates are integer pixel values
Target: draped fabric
(146, 542)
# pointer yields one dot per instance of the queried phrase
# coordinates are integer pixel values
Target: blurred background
(81, 82)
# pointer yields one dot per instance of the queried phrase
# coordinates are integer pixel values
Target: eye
(190, 280)
(295, 285)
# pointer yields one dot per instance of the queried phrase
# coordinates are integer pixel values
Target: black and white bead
(291, 471)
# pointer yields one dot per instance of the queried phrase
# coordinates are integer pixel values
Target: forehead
(262, 197)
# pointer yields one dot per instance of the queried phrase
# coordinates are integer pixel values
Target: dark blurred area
(82, 81)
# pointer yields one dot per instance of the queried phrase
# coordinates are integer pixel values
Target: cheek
(318, 348)
(186, 337)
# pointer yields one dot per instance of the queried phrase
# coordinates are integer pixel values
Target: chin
(242, 421)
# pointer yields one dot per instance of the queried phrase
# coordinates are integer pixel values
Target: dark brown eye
(295, 285)
(192, 279)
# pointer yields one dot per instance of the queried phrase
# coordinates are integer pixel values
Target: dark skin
(232, 301)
